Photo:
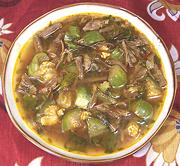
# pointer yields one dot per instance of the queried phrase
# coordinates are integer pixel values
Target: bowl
(56, 14)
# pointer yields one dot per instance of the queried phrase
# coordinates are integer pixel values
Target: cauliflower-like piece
(85, 115)
(104, 86)
(65, 99)
(133, 129)
(50, 116)
(104, 55)
(104, 51)
(47, 71)
(60, 112)
(103, 48)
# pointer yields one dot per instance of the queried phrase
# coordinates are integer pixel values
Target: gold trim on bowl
(32, 140)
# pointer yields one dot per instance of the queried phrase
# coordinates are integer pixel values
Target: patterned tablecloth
(164, 148)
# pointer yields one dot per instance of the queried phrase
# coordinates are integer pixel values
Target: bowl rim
(46, 149)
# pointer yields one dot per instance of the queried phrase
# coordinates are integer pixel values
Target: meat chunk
(158, 75)
(95, 25)
(130, 58)
(79, 65)
(150, 62)
(26, 86)
(112, 112)
(47, 32)
(155, 71)
(37, 44)
(87, 62)
(139, 73)
(133, 92)
(107, 29)
(56, 47)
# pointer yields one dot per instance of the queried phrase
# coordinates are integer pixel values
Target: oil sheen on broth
(91, 84)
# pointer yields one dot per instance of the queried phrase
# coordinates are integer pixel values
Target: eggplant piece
(96, 127)
(72, 34)
(72, 120)
(105, 98)
(117, 54)
(35, 63)
(117, 77)
(143, 109)
(91, 37)
(83, 97)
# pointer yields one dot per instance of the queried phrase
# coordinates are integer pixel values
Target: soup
(90, 83)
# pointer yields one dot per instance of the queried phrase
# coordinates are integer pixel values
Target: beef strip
(26, 86)
(47, 32)
(95, 24)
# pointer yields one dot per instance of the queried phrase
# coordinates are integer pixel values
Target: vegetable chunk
(117, 77)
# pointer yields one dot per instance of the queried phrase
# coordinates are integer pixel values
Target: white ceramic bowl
(43, 21)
